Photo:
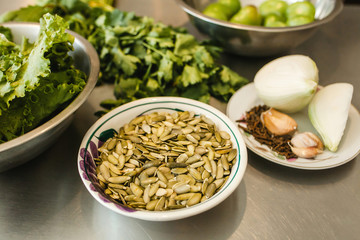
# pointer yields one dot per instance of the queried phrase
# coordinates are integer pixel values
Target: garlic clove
(278, 123)
(306, 139)
(306, 152)
(306, 145)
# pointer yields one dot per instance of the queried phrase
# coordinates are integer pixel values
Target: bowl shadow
(219, 222)
(300, 176)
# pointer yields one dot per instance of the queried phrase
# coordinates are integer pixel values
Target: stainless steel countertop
(45, 198)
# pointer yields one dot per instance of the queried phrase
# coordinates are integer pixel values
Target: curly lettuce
(36, 79)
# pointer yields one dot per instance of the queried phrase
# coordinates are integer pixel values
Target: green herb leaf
(190, 76)
(145, 58)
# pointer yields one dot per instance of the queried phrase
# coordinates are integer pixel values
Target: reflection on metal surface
(45, 198)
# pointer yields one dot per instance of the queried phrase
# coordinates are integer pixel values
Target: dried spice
(254, 126)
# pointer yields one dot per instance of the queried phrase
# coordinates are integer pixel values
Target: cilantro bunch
(141, 57)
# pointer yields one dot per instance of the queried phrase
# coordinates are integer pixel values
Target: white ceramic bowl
(33, 143)
(124, 114)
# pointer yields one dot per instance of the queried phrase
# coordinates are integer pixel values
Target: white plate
(246, 98)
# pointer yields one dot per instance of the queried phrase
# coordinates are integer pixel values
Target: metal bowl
(31, 144)
(249, 40)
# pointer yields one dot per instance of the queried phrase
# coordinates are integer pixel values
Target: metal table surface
(45, 198)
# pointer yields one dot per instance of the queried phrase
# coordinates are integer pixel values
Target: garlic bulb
(306, 145)
(287, 83)
(278, 123)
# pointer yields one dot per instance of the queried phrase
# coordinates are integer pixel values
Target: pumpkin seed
(160, 204)
(194, 199)
(146, 196)
(210, 190)
(181, 187)
(149, 181)
(119, 179)
(151, 205)
(112, 144)
(161, 192)
(164, 161)
(136, 189)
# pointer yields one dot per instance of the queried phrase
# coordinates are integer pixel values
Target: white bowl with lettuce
(46, 74)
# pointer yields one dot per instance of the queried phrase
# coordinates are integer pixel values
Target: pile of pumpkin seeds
(163, 161)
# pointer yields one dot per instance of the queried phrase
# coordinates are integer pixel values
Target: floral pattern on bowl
(88, 168)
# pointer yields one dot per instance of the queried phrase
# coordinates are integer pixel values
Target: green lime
(277, 7)
(217, 10)
(234, 5)
(275, 24)
(299, 20)
(274, 20)
(248, 15)
(301, 9)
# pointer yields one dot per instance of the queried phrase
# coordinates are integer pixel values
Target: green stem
(154, 49)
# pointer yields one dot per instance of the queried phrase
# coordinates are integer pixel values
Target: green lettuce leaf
(52, 31)
(26, 14)
(37, 79)
(7, 34)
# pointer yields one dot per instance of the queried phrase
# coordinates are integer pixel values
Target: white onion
(329, 111)
(287, 83)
